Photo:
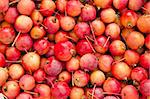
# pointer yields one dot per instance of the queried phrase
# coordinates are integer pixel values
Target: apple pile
(75, 49)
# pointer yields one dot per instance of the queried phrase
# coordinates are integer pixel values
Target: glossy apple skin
(82, 29)
(11, 15)
(129, 19)
(52, 24)
(53, 66)
(143, 24)
(11, 89)
(129, 91)
(144, 60)
(31, 61)
(57, 90)
(7, 35)
(144, 87)
(47, 7)
(88, 13)
(73, 8)
(139, 74)
(64, 50)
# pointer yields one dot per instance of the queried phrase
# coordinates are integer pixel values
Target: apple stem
(90, 38)
(111, 93)
(106, 41)
(50, 82)
(16, 39)
(15, 1)
(72, 79)
(65, 12)
(118, 61)
(93, 95)
(95, 41)
(93, 91)
(25, 50)
(90, 44)
(69, 37)
(43, 26)
(33, 93)
(145, 9)
(8, 61)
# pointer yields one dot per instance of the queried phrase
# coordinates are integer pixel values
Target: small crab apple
(36, 17)
(76, 93)
(3, 75)
(47, 7)
(80, 78)
(112, 30)
(61, 36)
(120, 4)
(25, 7)
(57, 92)
(42, 90)
(145, 87)
(135, 40)
(24, 42)
(129, 19)
(97, 77)
(61, 5)
(82, 29)
(103, 4)
(121, 71)
(27, 82)
(37, 32)
(129, 92)
(101, 45)
(88, 13)
(112, 85)
(73, 8)
(85, 64)
(2, 60)
(144, 60)
(98, 27)
(108, 15)
(12, 53)
(117, 48)
(52, 24)
(73, 64)
(139, 74)
(16, 71)
(64, 76)
(4, 5)
(39, 75)
(11, 15)
(11, 89)
(135, 5)
(143, 23)
(31, 61)
(64, 50)
(83, 47)
(42, 46)
(67, 23)
(24, 95)
(131, 57)
(7, 35)
(53, 66)
(23, 28)
(103, 65)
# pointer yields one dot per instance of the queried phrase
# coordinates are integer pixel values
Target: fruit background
(74, 49)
